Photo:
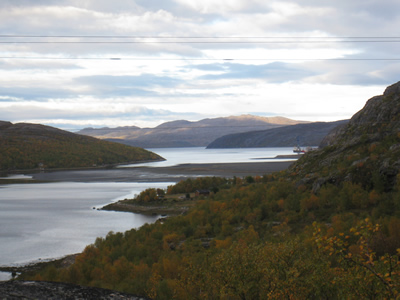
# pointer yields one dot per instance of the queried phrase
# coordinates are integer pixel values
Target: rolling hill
(31, 146)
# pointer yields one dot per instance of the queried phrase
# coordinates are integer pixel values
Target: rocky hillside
(366, 151)
(310, 134)
(30, 146)
(33, 290)
(184, 133)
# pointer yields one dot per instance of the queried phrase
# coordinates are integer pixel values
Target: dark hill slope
(25, 146)
(365, 151)
(33, 290)
(310, 134)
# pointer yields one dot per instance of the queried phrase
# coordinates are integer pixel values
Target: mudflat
(164, 174)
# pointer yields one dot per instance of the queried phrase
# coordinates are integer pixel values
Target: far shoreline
(164, 174)
(147, 174)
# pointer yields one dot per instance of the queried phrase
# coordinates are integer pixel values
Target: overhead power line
(195, 59)
(140, 39)
(190, 42)
(198, 37)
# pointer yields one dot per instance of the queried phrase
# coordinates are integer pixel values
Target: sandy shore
(164, 174)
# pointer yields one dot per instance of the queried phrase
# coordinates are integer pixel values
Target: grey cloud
(143, 80)
(20, 3)
(273, 72)
(340, 72)
(24, 64)
(155, 5)
(208, 67)
(142, 85)
(106, 92)
(28, 111)
(355, 72)
(384, 9)
(349, 19)
(345, 18)
(40, 94)
(78, 119)
(16, 113)
(96, 5)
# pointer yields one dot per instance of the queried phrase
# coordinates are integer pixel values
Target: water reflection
(50, 220)
(193, 155)
(5, 276)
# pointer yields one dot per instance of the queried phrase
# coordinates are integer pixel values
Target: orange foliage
(310, 203)
(223, 244)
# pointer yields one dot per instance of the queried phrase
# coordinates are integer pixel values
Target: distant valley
(184, 133)
(31, 146)
(225, 132)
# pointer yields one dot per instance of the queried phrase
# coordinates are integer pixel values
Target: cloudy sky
(80, 63)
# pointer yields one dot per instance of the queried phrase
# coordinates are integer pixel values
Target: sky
(98, 63)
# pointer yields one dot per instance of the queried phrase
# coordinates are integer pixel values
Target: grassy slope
(25, 146)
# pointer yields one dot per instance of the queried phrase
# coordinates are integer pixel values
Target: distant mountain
(182, 133)
(310, 134)
(30, 146)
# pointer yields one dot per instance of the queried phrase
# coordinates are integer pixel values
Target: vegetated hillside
(327, 228)
(30, 146)
(184, 133)
(310, 134)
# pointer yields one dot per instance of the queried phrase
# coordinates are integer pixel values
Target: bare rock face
(379, 117)
(37, 290)
(369, 144)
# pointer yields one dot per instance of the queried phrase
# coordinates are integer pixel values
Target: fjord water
(50, 220)
(196, 155)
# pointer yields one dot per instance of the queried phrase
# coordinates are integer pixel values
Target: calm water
(43, 221)
(50, 220)
(175, 156)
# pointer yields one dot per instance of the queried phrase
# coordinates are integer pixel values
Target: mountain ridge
(183, 133)
(310, 134)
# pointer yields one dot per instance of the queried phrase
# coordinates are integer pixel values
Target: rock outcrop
(34, 290)
(379, 118)
(365, 151)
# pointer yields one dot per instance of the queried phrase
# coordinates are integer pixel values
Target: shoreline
(31, 267)
(100, 167)
(149, 174)
(165, 174)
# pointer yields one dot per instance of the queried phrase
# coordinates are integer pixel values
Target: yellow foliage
(223, 244)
